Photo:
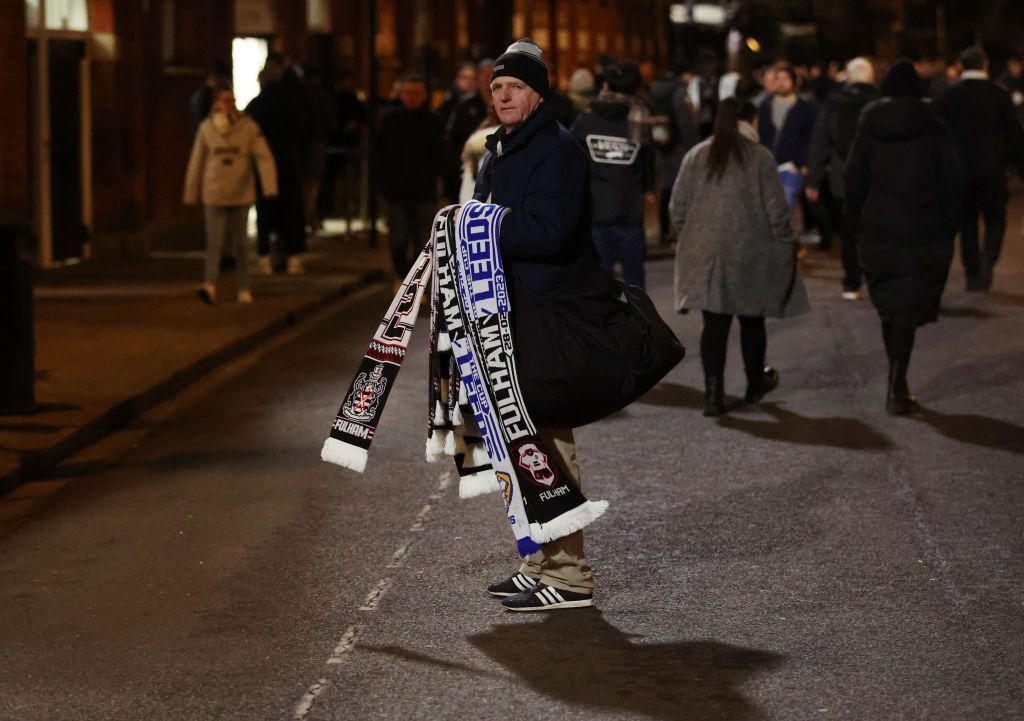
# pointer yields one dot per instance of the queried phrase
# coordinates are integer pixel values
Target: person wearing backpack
(614, 133)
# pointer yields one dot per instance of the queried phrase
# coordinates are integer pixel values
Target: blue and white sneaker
(516, 583)
(547, 598)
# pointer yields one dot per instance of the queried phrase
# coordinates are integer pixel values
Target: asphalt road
(812, 558)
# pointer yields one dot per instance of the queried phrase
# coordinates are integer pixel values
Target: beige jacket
(220, 170)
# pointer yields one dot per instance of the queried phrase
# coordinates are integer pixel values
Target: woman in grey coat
(736, 252)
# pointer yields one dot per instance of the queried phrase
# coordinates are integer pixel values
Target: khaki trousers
(560, 563)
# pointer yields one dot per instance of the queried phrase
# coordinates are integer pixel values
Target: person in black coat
(830, 146)
(786, 121)
(621, 171)
(903, 186)
(410, 160)
(988, 137)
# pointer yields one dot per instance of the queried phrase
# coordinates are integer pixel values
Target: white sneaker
(244, 297)
(295, 266)
(265, 265)
(207, 293)
(851, 295)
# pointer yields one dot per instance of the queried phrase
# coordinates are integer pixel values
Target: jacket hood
(898, 118)
(610, 110)
(520, 136)
(856, 92)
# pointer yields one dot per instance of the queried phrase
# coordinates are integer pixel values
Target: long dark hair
(726, 142)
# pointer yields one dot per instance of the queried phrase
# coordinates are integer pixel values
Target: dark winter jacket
(582, 350)
(541, 174)
(833, 135)
(410, 154)
(620, 170)
(670, 100)
(985, 128)
(280, 111)
(792, 142)
(903, 186)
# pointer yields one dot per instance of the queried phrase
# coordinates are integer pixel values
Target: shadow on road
(1005, 298)
(976, 430)
(789, 427)
(577, 657)
(965, 312)
(673, 395)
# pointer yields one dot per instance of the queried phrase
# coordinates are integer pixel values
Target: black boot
(714, 396)
(759, 384)
(899, 401)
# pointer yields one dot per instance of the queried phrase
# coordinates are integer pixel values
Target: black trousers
(985, 197)
(848, 251)
(715, 338)
(283, 216)
(899, 340)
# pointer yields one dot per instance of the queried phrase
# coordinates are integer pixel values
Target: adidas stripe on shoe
(516, 583)
(547, 598)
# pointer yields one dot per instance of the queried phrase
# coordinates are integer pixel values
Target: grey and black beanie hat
(524, 60)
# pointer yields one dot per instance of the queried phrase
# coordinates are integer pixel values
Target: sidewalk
(113, 340)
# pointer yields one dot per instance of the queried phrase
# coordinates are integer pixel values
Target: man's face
(783, 84)
(1015, 67)
(413, 94)
(514, 100)
(465, 81)
(770, 76)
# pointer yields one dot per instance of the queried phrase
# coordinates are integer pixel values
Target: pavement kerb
(124, 412)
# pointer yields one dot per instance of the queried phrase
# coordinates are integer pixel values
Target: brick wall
(14, 143)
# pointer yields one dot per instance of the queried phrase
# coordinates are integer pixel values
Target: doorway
(59, 131)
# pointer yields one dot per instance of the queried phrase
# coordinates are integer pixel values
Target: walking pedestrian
(674, 131)
(615, 133)
(467, 116)
(410, 161)
(785, 124)
(736, 253)
(464, 88)
(282, 112)
(903, 188)
(830, 147)
(220, 176)
(988, 137)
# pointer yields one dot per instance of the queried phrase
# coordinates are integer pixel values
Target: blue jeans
(625, 244)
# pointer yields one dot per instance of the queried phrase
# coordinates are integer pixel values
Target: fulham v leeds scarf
(477, 409)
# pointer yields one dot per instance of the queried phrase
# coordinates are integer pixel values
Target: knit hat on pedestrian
(524, 61)
(902, 81)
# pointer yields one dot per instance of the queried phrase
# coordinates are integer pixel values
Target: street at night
(809, 558)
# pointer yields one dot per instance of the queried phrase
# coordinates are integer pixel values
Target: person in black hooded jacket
(830, 146)
(614, 134)
(903, 185)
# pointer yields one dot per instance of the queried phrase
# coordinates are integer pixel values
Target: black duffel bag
(585, 355)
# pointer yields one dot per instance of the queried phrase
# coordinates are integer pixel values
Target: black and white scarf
(473, 377)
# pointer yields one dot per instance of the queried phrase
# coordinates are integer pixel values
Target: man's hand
(812, 194)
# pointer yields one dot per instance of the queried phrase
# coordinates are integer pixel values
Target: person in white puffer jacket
(228, 145)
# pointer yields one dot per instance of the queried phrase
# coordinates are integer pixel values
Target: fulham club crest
(535, 461)
(361, 404)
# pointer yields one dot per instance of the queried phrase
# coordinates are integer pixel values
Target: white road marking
(373, 597)
(347, 643)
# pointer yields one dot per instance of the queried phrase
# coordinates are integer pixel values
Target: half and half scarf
(477, 412)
